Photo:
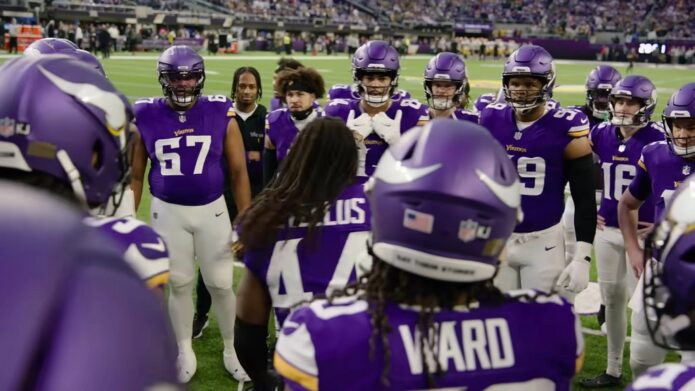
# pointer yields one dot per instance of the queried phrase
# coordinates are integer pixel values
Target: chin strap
(73, 176)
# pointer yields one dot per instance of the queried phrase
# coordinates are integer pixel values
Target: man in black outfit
(246, 91)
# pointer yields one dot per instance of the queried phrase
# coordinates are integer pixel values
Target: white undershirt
(245, 115)
(523, 125)
(303, 123)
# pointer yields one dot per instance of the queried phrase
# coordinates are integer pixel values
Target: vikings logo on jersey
(618, 159)
(659, 173)
(143, 248)
(666, 377)
(477, 349)
(295, 270)
(282, 130)
(350, 92)
(538, 152)
(407, 112)
(185, 148)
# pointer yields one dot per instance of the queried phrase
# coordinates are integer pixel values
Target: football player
(64, 286)
(304, 235)
(446, 87)
(377, 120)
(284, 65)
(668, 292)
(250, 116)
(663, 166)
(186, 136)
(427, 315)
(300, 90)
(618, 146)
(143, 248)
(599, 84)
(549, 147)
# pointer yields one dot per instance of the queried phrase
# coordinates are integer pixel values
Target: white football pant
(534, 260)
(199, 233)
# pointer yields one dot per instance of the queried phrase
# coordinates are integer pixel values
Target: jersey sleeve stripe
(294, 374)
(158, 280)
(578, 131)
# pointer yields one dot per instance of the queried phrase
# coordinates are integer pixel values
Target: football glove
(575, 277)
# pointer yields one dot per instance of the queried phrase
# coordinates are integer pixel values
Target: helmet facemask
(172, 88)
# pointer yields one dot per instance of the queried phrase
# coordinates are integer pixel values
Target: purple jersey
(413, 113)
(538, 152)
(523, 344)
(75, 316)
(593, 121)
(185, 148)
(483, 100)
(281, 130)
(660, 173)
(618, 160)
(666, 377)
(294, 269)
(143, 248)
(350, 92)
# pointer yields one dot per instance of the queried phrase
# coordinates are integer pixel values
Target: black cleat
(603, 380)
(200, 323)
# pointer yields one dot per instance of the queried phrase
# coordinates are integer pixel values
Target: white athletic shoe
(186, 364)
(232, 365)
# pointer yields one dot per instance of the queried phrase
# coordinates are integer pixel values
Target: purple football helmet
(63, 46)
(176, 64)
(376, 57)
(669, 284)
(680, 105)
(446, 67)
(533, 61)
(634, 87)
(51, 46)
(75, 130)
(599, 85)
(443, 214)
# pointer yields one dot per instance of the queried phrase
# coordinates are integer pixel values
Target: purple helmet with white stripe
(439, 213)
(61, 118)
(63, 46)
(669, 284)
(599, 84)
(376, 57)
(446, 67)
(634, 87)
(530, 61)
(680, 105)
(176, 64)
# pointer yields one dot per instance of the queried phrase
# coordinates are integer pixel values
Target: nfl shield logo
(517, 135)
(686, 170)
(467, 230)
(182, 118)
(7, 127)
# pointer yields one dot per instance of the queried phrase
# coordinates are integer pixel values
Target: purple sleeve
(257, 263)
(641, 186)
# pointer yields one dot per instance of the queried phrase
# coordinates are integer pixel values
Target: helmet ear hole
(97, 155)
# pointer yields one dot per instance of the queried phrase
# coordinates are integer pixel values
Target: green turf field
(136, 77)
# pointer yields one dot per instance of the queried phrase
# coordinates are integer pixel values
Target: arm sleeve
(270, 165)
(581, 178)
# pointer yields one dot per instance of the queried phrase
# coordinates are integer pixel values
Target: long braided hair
(385, 284)
(320, 164)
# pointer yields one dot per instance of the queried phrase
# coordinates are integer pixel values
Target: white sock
(181, 310)
(615, 300)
